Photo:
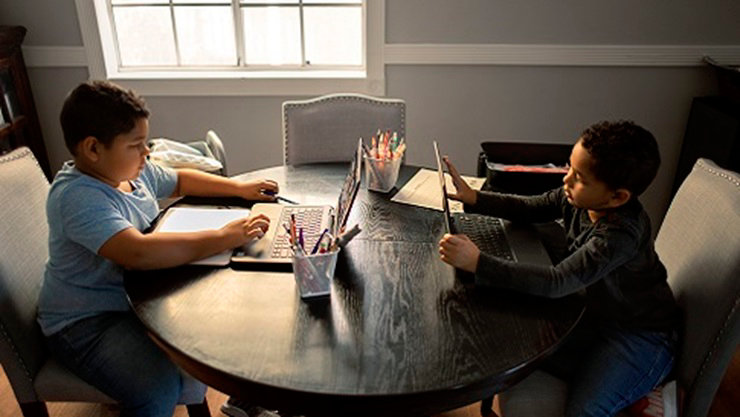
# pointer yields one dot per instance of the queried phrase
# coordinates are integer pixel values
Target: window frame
(94, 23)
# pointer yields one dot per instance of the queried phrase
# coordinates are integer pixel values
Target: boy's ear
(620, 196)
(90, 148)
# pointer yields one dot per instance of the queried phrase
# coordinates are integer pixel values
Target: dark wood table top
(401, 333)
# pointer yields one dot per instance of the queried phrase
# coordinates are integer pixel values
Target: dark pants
(113, 353)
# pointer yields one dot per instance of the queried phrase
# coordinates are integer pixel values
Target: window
(316, 46)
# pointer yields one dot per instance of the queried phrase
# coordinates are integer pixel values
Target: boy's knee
(598, 406)
(154, 396)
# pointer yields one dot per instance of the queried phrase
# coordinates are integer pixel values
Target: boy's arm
(135, 250)
(518, 208)
(201, 184)
(596, 259)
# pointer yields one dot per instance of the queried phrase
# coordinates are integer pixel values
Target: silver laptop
(491, 234)
(274, 246)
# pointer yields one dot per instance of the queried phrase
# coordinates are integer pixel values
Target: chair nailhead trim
(19, 154)
(721, 333)
(338, 98)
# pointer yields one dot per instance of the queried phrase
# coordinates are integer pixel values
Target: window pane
(272, 35)
(333, 35)
(205, 35)
(145, 36)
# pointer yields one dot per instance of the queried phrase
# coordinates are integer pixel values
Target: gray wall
(459, 105)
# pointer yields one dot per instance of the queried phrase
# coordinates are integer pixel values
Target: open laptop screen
(349, 190)
(443, 187)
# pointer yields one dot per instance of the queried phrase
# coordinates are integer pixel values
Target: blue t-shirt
(83, 213)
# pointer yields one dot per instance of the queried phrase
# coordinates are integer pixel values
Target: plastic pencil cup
(381, 174)
(313, 273)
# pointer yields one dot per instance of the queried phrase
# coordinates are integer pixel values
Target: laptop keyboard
(486, 232)
(309, 218)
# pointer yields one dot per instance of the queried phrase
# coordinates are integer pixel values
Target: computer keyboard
(486, 232)
(309, 218)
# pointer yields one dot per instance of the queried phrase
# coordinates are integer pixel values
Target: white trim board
(54, 56)
(558, 55)
(482, 54)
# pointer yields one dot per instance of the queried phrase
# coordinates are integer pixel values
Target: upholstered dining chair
(326, 129)
(34, 376)
(699, 243)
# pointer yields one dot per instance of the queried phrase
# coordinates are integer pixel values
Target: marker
(318, 242)
(345, 237)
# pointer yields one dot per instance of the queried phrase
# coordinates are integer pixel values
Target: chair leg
(486, 408)
(34, 409)
(199, 410)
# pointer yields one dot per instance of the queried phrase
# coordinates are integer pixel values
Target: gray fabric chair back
(33, 375)
(699, 243)
(217, 148)
(326, 129)
(23, 191)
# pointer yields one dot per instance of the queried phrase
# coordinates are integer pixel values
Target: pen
(292, 229)
(287, 229)
(286, 200)
(318, 242)
(279, 198)
(300, 238)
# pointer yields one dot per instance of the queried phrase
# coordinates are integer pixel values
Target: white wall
(459, 105)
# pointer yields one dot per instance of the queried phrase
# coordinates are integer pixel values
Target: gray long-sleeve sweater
(613, 260)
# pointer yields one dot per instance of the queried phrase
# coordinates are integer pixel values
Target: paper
(193, 219)
(423, 190)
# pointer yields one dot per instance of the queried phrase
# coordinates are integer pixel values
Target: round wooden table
(401, 334)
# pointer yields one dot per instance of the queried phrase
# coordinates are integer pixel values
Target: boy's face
(124, 159)
(582, 188)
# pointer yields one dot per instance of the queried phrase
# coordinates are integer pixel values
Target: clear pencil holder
(381, 174)
(313, 273)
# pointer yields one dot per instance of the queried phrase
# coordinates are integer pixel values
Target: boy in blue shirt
(98, 207)
(624, 346)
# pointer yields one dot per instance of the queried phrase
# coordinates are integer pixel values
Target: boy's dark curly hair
(100, 109)
(624, 154)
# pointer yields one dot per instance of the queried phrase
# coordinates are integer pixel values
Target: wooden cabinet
(19, 123)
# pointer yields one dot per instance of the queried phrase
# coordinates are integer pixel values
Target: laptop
(492, 235)
(274, 246)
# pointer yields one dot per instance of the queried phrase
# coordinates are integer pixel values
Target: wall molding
(482, 54)
(558, 55)
(54, 56)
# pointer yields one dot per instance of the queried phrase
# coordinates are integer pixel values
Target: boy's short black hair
(625, 155)
(100, 109)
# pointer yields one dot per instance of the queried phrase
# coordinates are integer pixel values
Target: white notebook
(423, 190)
(193, 219)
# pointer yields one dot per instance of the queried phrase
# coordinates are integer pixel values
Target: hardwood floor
(9, 407)
(726, 402)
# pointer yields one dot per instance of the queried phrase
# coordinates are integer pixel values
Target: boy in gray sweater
(624, 346)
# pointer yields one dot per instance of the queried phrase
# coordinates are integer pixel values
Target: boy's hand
(463, 191)
(459, 251)
(262, 190)
(243, 231)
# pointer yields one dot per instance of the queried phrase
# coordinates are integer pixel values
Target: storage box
(527, 182)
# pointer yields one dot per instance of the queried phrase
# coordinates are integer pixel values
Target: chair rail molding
(482, 54)
(558, 55)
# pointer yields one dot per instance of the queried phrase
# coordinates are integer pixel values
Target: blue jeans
(608, 367)
(113, 353)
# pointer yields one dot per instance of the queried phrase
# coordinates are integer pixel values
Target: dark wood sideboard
(19, 123)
